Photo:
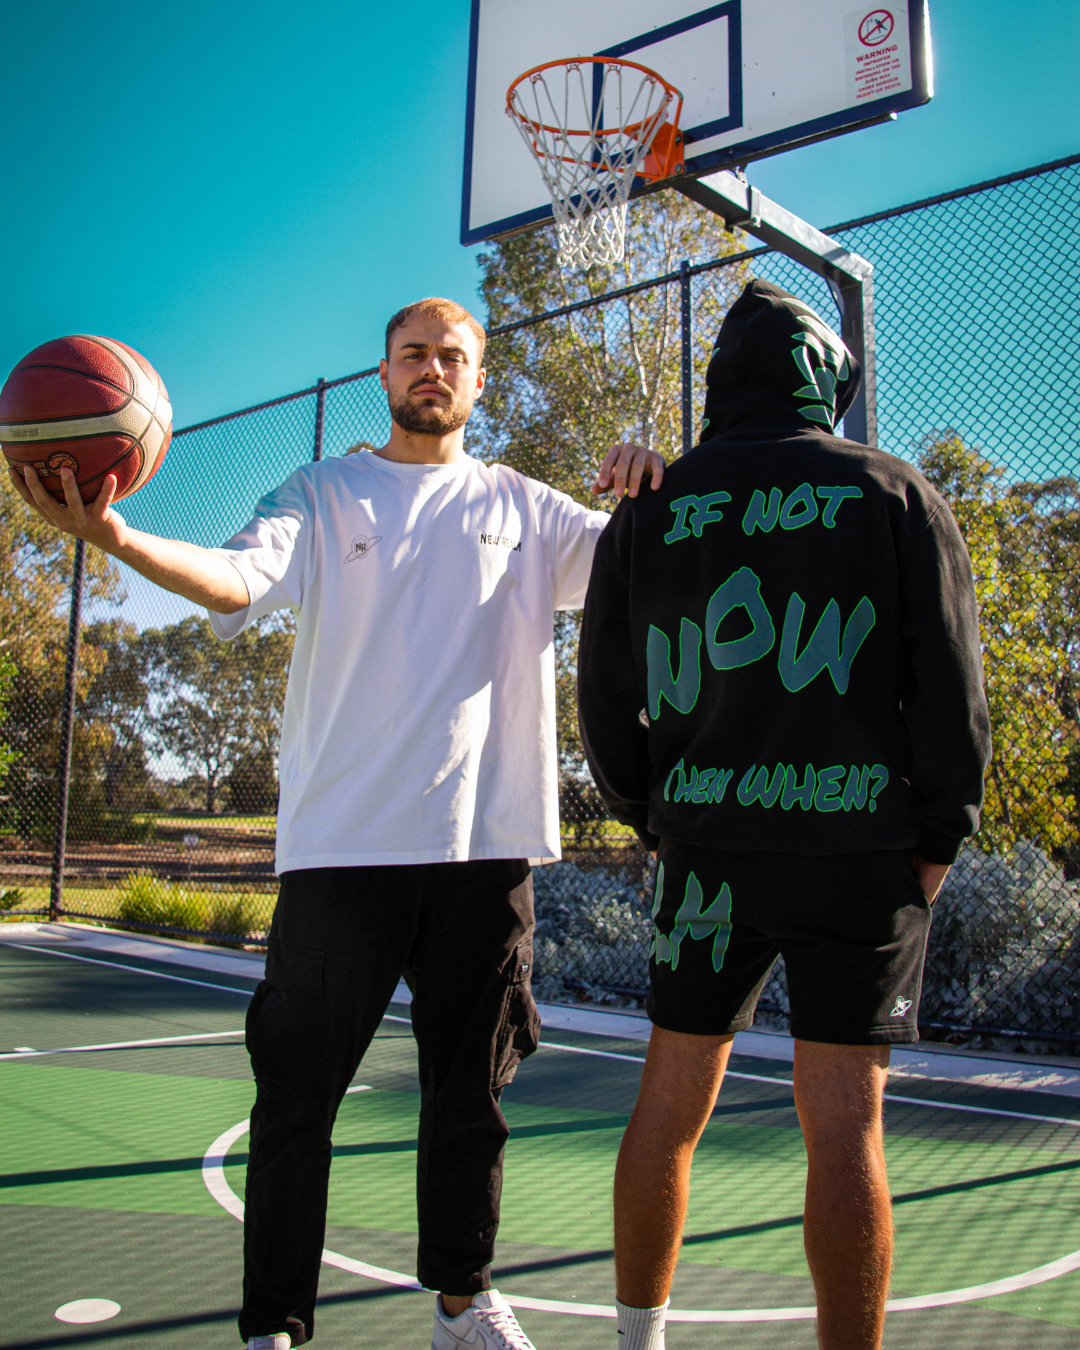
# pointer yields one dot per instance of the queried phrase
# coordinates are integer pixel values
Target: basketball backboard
(757, 77)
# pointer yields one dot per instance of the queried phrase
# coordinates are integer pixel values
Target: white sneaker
(282, 1341)
(489, 1324)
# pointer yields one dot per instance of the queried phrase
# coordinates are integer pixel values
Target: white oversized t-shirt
(419, 721)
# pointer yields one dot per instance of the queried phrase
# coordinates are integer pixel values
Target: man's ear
(481, 380)
(384, 371)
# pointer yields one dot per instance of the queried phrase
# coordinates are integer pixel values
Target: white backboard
(757, 77)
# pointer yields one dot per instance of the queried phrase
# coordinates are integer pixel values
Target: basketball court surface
(124, 1163)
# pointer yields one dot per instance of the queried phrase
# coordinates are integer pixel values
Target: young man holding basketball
(418, 776)
(780, 689)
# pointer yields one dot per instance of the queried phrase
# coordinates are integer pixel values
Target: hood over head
(776, 367)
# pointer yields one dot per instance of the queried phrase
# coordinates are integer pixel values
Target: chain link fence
(171, 788)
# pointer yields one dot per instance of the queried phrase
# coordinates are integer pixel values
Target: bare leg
(848, 1217)
(455, 1304)
(679, 1084)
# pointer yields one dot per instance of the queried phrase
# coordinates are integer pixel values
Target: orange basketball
(89, 404)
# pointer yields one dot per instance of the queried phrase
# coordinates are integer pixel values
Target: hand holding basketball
(91, 405)
(95, 521)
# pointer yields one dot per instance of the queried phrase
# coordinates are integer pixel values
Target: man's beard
(438, 419)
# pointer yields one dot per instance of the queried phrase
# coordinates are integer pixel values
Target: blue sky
(245, 191)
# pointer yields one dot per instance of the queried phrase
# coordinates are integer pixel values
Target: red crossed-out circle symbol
(876, 28)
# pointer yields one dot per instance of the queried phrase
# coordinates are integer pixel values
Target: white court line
(213, 1174)
(214, 1179)
(547, 1045)
(116, 965)
(121, 1045)
(790, 1082)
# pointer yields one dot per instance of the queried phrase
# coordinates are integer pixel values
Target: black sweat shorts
(852, 929)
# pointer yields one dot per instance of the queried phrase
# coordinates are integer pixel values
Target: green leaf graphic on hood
(822, 361)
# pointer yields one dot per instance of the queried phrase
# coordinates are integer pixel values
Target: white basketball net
(589, 125)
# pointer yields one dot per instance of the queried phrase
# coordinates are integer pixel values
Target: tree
(7, 676)
(1024, 542)
(216, 704)
(560, 393)
(115, 710)
(35, 592)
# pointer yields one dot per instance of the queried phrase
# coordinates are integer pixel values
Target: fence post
(67, 727)
(320, 409)
(687, 363)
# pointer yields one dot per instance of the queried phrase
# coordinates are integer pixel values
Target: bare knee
(679, 1084)
(839, 1092)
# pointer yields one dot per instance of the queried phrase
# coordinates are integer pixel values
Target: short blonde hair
(438, 308)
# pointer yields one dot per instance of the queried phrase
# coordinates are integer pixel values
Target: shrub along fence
(138, 754)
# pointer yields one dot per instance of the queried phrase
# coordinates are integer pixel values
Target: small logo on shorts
(362, 546)
(901, 1006)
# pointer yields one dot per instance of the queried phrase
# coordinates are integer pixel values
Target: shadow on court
(106, 1199)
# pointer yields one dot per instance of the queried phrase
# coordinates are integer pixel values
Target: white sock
(641, 1328)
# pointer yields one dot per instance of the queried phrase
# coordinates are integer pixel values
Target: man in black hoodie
(780, 690)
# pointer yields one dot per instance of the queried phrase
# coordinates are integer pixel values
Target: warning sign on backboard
(878, 53)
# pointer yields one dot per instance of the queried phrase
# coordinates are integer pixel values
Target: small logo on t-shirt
(901, 1006)
(501, 541)
(362, 546)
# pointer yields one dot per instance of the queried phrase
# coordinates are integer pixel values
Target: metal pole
(849, 276)
(687, 363)
(855, 300)
(67, 726)
(320, 410)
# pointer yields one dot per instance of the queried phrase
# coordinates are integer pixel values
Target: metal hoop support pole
(850, 277)
(687, 357)
(320, 411)
(67, 727)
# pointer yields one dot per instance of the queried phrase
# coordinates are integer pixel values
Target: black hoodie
(780, 647)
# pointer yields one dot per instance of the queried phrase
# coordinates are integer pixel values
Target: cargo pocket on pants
(519, 1027)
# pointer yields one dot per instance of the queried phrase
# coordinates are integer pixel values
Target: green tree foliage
(217, 705)
(1024, 541)
(35, 594)
(560, 394)
(8, 671)
(115, 710)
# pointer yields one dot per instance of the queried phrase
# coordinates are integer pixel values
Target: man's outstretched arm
(198, 574)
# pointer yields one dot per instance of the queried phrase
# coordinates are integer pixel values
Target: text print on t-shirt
(501, 541)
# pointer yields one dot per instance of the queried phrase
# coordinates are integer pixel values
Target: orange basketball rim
(658, 129)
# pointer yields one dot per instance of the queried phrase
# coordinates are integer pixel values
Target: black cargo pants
(461, 935)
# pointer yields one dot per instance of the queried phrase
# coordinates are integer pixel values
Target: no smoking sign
(876, 28)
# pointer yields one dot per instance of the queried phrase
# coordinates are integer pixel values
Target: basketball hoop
(561, 109)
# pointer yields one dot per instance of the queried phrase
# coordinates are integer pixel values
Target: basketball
(89, 404)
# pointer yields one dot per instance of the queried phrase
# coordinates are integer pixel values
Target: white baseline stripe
(116, 965)
(980, 1110)
(122, 1045)
(547, 1045)
(788, 1082)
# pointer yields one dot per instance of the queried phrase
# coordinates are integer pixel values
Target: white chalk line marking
(546, 1045)
(138, 970)
(120, 1045)
(213, 1172)
(216, 1154)
(790, 1082)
